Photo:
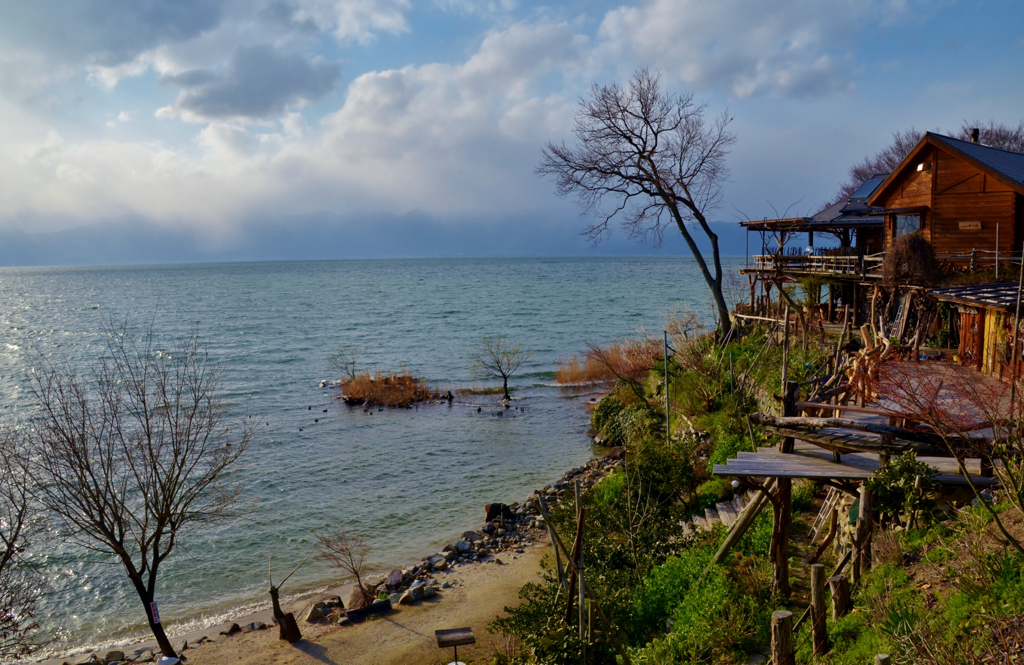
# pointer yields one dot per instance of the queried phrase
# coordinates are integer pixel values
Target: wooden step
(726, 513)
(711, 516)
(699, 522)
(738, 503)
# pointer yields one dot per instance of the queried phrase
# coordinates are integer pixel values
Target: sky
(167, 130)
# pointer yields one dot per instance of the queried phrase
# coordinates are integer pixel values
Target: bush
(892, 487)
(711, 619)
(803, 496)
(910, 261)
(711, 492)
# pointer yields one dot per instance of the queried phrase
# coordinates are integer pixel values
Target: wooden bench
(454, 638)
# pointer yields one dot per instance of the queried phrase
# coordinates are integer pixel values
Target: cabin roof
(1001, 295)
(852, 213)
(1005, 162)
(1005, 165)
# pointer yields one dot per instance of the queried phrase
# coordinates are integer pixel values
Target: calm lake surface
(409, 480)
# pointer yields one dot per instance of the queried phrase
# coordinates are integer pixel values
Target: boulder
(406, 599)
(357, 600)
(167, 660)
(113, 656)
(394, 598)
(256, 625)
(450, 556)
(334, 601)
(472, 536)
(463, 545)
(234, 628)
(441, 565)
(318, 611)
(429, 592)
(493, 511)
(394, 579)
(488, 528)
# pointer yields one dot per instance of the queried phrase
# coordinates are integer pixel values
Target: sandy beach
(478, 593)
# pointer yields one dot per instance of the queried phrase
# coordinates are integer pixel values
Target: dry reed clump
(401, 389)
(629, 358)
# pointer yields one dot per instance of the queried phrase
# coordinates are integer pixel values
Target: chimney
(975, 135)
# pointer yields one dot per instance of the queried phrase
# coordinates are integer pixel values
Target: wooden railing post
(782, 638)
(841, 601)
(882, 659)
(819, 630)
(866, 509)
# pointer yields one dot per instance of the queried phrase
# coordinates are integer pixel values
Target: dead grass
(628, 358)
(400, 389)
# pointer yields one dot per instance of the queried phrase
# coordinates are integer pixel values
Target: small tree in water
(498, 358)
(135, 455)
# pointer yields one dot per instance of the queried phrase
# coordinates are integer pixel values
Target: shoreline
(487, 546)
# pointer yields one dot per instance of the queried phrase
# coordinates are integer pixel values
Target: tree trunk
(714, 282)
(158, 630)
(505, 386)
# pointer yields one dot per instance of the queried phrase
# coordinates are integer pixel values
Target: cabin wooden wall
(956, 191)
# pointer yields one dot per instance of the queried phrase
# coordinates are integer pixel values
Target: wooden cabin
(985, 325)
(966, 198)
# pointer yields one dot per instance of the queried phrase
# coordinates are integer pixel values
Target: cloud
(353, 20)
(744, 47)
(259, 84)
(101, 32)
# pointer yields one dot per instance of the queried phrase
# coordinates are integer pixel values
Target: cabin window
(907, 224)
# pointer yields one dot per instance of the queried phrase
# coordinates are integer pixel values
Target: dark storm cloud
(259, 83)
(101, 31)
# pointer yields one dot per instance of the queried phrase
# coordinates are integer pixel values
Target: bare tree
(21, 583)
(136, 454)
(343, 360)
(655, 159)
(347, 551)
(497, 357)
(885, 161)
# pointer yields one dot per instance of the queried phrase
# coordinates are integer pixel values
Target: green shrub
(803, 496)
(710, 619)
(892, 487)
(711, 492)
(758, 538)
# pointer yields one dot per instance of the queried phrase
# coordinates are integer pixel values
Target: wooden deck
(812, 462)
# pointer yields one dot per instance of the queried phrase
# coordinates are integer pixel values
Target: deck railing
(869, 265)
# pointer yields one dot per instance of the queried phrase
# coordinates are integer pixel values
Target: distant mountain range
(414, 235)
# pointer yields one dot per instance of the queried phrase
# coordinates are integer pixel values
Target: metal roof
(1002, 295)
(1005, 162)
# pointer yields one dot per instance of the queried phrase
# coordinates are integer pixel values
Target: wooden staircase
(723, 512)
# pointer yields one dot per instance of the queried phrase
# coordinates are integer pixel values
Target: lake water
(409, 480)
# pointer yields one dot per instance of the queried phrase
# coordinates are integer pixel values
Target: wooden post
(789, 399)
(819, 630)
(668, 417)
(859, 536)
(782, 638)
(882, 659)
(866, 510)
(841, 602)
(785, 350)
(779, 548)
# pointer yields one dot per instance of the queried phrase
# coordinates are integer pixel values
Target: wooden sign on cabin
(970, 226)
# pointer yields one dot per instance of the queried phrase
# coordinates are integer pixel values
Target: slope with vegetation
(945, 587)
